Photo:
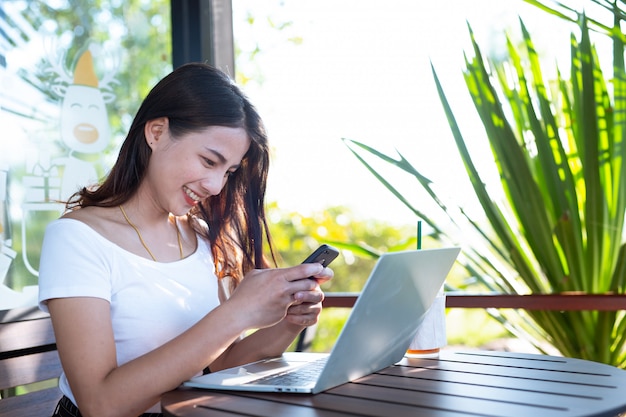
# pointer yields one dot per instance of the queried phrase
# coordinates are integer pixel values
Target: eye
(208, 162)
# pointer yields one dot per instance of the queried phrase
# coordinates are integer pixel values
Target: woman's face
(187, 170)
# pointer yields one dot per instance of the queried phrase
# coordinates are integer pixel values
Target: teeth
(192, 195)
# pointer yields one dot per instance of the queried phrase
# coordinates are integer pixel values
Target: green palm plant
(560, 151)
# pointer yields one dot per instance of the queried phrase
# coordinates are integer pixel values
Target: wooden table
(469, 383)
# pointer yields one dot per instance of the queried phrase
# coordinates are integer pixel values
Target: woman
(153, 276)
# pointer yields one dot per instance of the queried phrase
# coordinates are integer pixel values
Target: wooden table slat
(456, 384)
(456, 403)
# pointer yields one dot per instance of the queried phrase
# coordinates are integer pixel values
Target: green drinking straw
(419, 234)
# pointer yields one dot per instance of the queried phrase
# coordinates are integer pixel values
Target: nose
(214, 182)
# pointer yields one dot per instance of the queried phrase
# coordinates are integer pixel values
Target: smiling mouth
(195, 197)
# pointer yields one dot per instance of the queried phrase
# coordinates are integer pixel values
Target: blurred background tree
(296, 236)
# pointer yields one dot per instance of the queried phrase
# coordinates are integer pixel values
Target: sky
(360, 69)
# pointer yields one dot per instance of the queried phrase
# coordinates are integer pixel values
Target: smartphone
(324, 255)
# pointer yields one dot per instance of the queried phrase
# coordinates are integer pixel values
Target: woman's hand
(278, 302)
(267, 296)
(307, 307)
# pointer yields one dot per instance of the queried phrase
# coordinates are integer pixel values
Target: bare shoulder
(103, 220)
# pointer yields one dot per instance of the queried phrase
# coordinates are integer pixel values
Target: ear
(154, 130)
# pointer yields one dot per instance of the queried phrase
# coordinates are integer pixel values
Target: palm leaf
(560, 153)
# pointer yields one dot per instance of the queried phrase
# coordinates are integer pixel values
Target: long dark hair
(193, 97)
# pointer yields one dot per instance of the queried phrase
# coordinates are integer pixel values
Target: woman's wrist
(291, 328)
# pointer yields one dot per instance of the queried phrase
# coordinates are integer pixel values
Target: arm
(86, 346)
(87, 349)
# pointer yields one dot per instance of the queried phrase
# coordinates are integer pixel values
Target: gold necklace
(180, 243)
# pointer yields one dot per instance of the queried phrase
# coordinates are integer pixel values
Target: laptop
(381, 325)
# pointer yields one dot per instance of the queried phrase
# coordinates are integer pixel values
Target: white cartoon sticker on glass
(84, 135)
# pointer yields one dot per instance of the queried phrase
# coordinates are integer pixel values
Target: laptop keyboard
(300, 376)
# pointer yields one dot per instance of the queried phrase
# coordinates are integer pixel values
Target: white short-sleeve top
(151, 302)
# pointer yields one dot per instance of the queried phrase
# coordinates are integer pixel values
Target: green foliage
(296, 236)
(560, 155)
(331, 322)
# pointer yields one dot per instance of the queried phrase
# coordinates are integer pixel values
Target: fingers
(302, 319)
(302, 288)
(325, 275)
(302, 271)
(306, 308)
(312, 296)
(305, 314)
(313, 270)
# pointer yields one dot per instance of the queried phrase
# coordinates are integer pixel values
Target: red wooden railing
(558, 302)
(554, 302)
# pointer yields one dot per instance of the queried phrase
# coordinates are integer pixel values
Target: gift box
(44, 186)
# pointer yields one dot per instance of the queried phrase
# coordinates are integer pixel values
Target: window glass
(323, 70)
(72, 75)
